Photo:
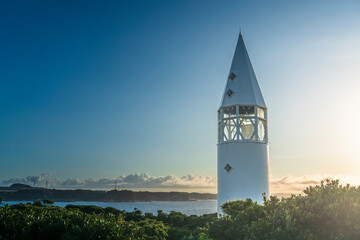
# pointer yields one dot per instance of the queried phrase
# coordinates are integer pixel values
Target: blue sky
(92, 89)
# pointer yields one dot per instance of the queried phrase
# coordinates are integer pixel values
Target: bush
(326, 212)
(90, 209)
(48, 202)
(48, 222)
(37, 203)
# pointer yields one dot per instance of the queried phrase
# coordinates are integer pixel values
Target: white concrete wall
(250, 175)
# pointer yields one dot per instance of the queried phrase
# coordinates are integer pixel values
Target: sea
(200, 207)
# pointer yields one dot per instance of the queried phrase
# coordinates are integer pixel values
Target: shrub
(49, 222)
(48, 202)
(326, 212)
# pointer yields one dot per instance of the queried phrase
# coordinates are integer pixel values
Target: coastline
(28, 193)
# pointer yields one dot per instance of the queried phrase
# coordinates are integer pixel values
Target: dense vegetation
(43, 221)
(25, 221)
(328, 211)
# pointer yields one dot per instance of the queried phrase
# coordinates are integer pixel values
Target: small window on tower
(232, 76)
(229, 92)
(228, 168)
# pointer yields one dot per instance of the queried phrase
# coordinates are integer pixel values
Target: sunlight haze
(94, 91)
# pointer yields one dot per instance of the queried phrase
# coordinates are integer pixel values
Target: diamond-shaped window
(228, 168)
(229, 92)
(232, 76)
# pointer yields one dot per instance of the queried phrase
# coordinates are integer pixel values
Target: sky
(93, 90)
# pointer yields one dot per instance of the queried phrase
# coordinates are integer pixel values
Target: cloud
(136, 180)
(37, 180)
(281, 187)
(285, 186)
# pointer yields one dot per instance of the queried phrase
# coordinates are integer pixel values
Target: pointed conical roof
(242, 87)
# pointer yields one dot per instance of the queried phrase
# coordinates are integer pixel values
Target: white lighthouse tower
(243, 151)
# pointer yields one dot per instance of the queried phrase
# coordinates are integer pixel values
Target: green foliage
(180, 225)
(111, 210)
(240, 215)
(38, 221)
(326, 212)
(25, 221)
(48, 202)
(90, 209)
(37, 203)
(136, 215)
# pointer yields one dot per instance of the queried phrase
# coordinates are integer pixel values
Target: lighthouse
(243, 149)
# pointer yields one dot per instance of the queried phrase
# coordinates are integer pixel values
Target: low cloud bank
(285, 186)
(281, 187)
(129, 181)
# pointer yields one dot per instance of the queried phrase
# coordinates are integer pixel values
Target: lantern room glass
(242, 123)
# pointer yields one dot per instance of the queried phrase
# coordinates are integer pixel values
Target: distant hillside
(21, 192)
(20, 186)
(15, 186)
(130, 196)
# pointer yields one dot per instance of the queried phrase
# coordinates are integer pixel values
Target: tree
(48, 202)
(37, 203)
(328, 211)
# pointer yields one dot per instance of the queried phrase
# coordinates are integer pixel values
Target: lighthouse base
(243, 171)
